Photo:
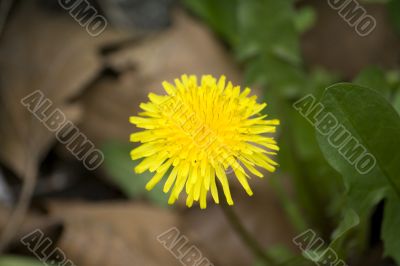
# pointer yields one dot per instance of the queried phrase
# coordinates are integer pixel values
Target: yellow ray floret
(196, 133)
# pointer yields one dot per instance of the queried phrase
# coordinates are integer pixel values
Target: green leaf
(304, 19)
(340, 238)
(390, 228)
(120, 167)
(18, 261)
(350, 219)
(373, 122)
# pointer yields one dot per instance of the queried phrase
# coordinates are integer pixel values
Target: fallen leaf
(114, 233)
(40, 51)
(53, 54)
(31, 222)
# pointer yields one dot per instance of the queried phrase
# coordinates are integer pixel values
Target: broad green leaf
(19, 261)
(373, 122)
(390, 228)
(120, 167)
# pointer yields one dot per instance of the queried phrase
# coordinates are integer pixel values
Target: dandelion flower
(196, 133)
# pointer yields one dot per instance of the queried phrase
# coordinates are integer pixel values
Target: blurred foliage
(284, 257)
(18, 261)
(375, 79)
(394, 13)
(305, 19)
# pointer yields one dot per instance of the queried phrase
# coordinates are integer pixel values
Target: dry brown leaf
(50, 53)
(114, 234)
(30, 223)
(41, 51)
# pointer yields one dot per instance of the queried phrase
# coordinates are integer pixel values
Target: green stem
(308, 196)
(291, 209)
(246, 237)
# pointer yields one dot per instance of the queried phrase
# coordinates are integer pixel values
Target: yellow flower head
(196, 133)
